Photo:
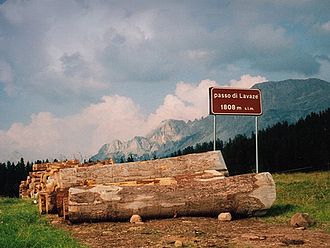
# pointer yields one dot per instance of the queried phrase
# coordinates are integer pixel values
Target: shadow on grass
(281, 209)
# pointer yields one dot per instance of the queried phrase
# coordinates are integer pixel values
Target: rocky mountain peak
(168, 130)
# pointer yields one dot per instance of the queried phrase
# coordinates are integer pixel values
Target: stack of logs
(43, 182)
(37, 180)
(194, 184)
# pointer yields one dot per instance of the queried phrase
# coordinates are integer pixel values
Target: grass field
(21, 226)
(302, 192)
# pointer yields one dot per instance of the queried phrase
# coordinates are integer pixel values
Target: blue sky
(76, 74)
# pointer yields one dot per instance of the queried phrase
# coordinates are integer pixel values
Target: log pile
(195, 184)
(37, 179)
(43, 182)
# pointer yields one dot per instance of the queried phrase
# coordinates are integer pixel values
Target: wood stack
(43, 182)
(38, 179)
(24, 191)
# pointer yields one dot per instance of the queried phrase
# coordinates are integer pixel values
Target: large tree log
(167, 167)
(205, 193)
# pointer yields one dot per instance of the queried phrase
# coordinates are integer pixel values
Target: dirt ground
(193, 232)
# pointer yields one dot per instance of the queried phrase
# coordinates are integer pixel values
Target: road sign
(230, 101)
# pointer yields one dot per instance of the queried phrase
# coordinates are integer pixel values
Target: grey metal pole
(214, 132)
(257, 162)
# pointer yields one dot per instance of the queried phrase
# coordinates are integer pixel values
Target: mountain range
(288, 100)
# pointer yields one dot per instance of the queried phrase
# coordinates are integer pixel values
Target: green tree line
(304, 145)
(11, 175)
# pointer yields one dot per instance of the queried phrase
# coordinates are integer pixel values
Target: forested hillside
(304, 145)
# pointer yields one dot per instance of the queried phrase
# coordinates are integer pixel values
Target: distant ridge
(287, 100)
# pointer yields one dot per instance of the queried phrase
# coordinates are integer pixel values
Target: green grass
(302, 192)
(21, 226)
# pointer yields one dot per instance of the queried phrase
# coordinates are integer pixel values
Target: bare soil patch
(193, 232)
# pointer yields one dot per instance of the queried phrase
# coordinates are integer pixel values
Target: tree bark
(166, 167)
(195, 194)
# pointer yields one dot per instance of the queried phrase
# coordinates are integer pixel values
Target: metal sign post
(257, 159)
(214, 132)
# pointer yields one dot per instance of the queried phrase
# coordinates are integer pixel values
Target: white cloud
(49, 137)
(40, 136)
(116, 117)
(187, 103)
(247, 81)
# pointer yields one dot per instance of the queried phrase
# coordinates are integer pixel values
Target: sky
(75, 74)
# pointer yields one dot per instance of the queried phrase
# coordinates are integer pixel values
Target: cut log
(196, 194)
(167, 167)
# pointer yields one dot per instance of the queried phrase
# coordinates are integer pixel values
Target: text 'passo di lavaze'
(236, 96)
